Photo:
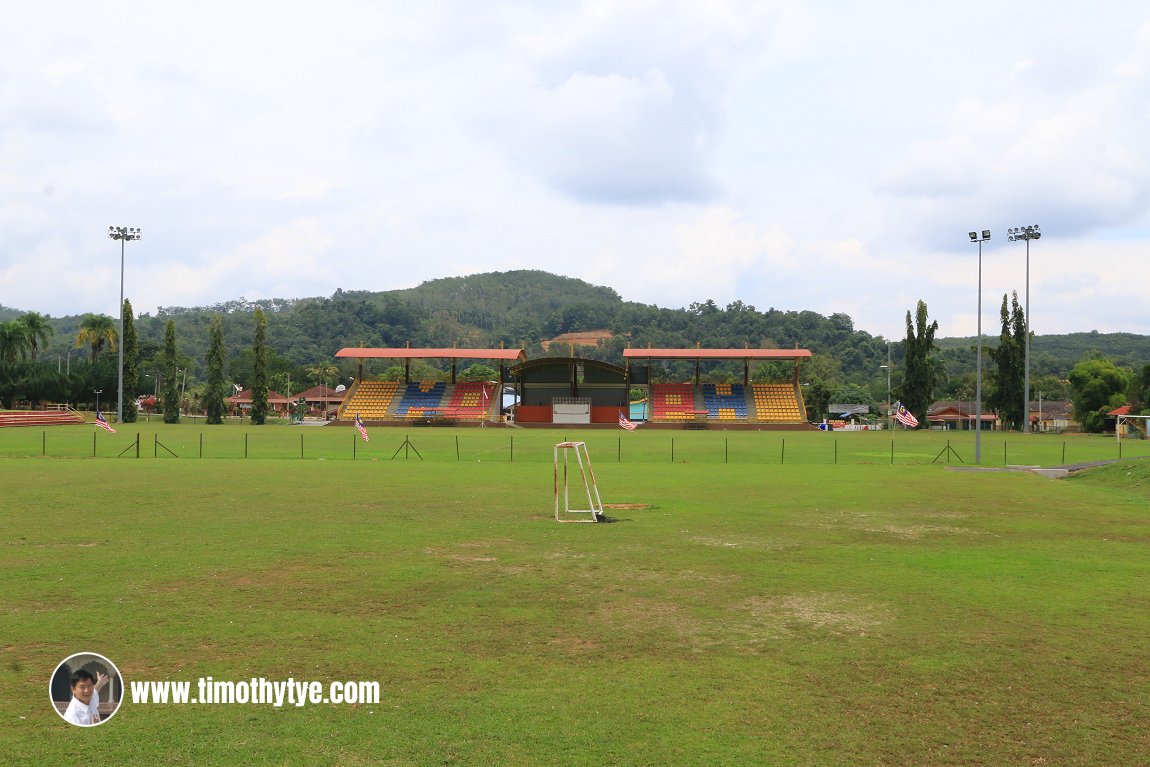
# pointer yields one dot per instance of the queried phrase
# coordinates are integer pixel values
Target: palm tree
(37, 330)
(13, 341)
(96, 330)
(323, 372)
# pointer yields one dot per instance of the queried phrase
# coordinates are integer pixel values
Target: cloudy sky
(800, 155)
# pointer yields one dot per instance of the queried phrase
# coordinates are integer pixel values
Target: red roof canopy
(359, 352)
(716, 354)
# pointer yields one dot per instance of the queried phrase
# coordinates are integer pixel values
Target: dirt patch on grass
(457, 557)
(462, 551)
(575, 645)
(882, 524)
(915, 532)
(752, 544)
(835, 613)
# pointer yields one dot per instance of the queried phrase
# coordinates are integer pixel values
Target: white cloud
(827, 158)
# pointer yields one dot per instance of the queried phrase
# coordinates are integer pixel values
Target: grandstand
(40, 417)
(471, 401)
(423, 400)
(725, 402)
(559, 390)
(673, 402)
(777, 403)
(727, 405)
(370, 400)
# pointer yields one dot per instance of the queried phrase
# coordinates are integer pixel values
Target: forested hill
(524, 308)
(1125, 349)
(515, 309)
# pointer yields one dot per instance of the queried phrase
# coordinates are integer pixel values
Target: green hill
(524, 308)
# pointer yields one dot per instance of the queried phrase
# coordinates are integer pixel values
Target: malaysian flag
(362, 429)
(904, 416)
(102, 422)
(626, 423)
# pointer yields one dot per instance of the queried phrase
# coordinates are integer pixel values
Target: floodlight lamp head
(986, 234)
(973, 236)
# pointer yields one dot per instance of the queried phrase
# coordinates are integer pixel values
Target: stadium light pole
(123, 234)
(974, 237)
(1027, 233)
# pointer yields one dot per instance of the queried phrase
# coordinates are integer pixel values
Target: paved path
(1052, 472)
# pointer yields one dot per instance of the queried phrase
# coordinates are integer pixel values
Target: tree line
(1095, 385)
(523, 309)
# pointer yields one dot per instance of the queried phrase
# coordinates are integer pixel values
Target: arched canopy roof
(549, 362)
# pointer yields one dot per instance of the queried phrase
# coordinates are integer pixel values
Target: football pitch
(760, 598)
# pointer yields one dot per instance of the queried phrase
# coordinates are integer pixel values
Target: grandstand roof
(406, 353)
(716, 354)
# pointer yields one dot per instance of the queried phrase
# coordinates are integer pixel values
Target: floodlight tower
(123, 234)
(1027, 233)
(974, 237)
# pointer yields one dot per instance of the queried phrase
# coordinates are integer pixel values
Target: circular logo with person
(86, 689)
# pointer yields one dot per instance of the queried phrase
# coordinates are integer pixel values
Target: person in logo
(84, 709)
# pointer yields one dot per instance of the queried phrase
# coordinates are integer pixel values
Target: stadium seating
(725, 402)
(39, 418)
(470, 401)
(672, 402)
(370, 399)
(777, 403)
(421, 400)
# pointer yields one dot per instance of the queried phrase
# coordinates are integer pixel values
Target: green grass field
(753, 603)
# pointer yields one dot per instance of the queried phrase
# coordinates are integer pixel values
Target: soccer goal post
(564, 476)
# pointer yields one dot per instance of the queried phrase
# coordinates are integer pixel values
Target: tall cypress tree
(1010, 365)
(171, 391)
(131, 365)
(921, 367)
(217, 356)
(260, 370)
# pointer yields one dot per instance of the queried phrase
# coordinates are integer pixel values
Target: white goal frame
(564, 512)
